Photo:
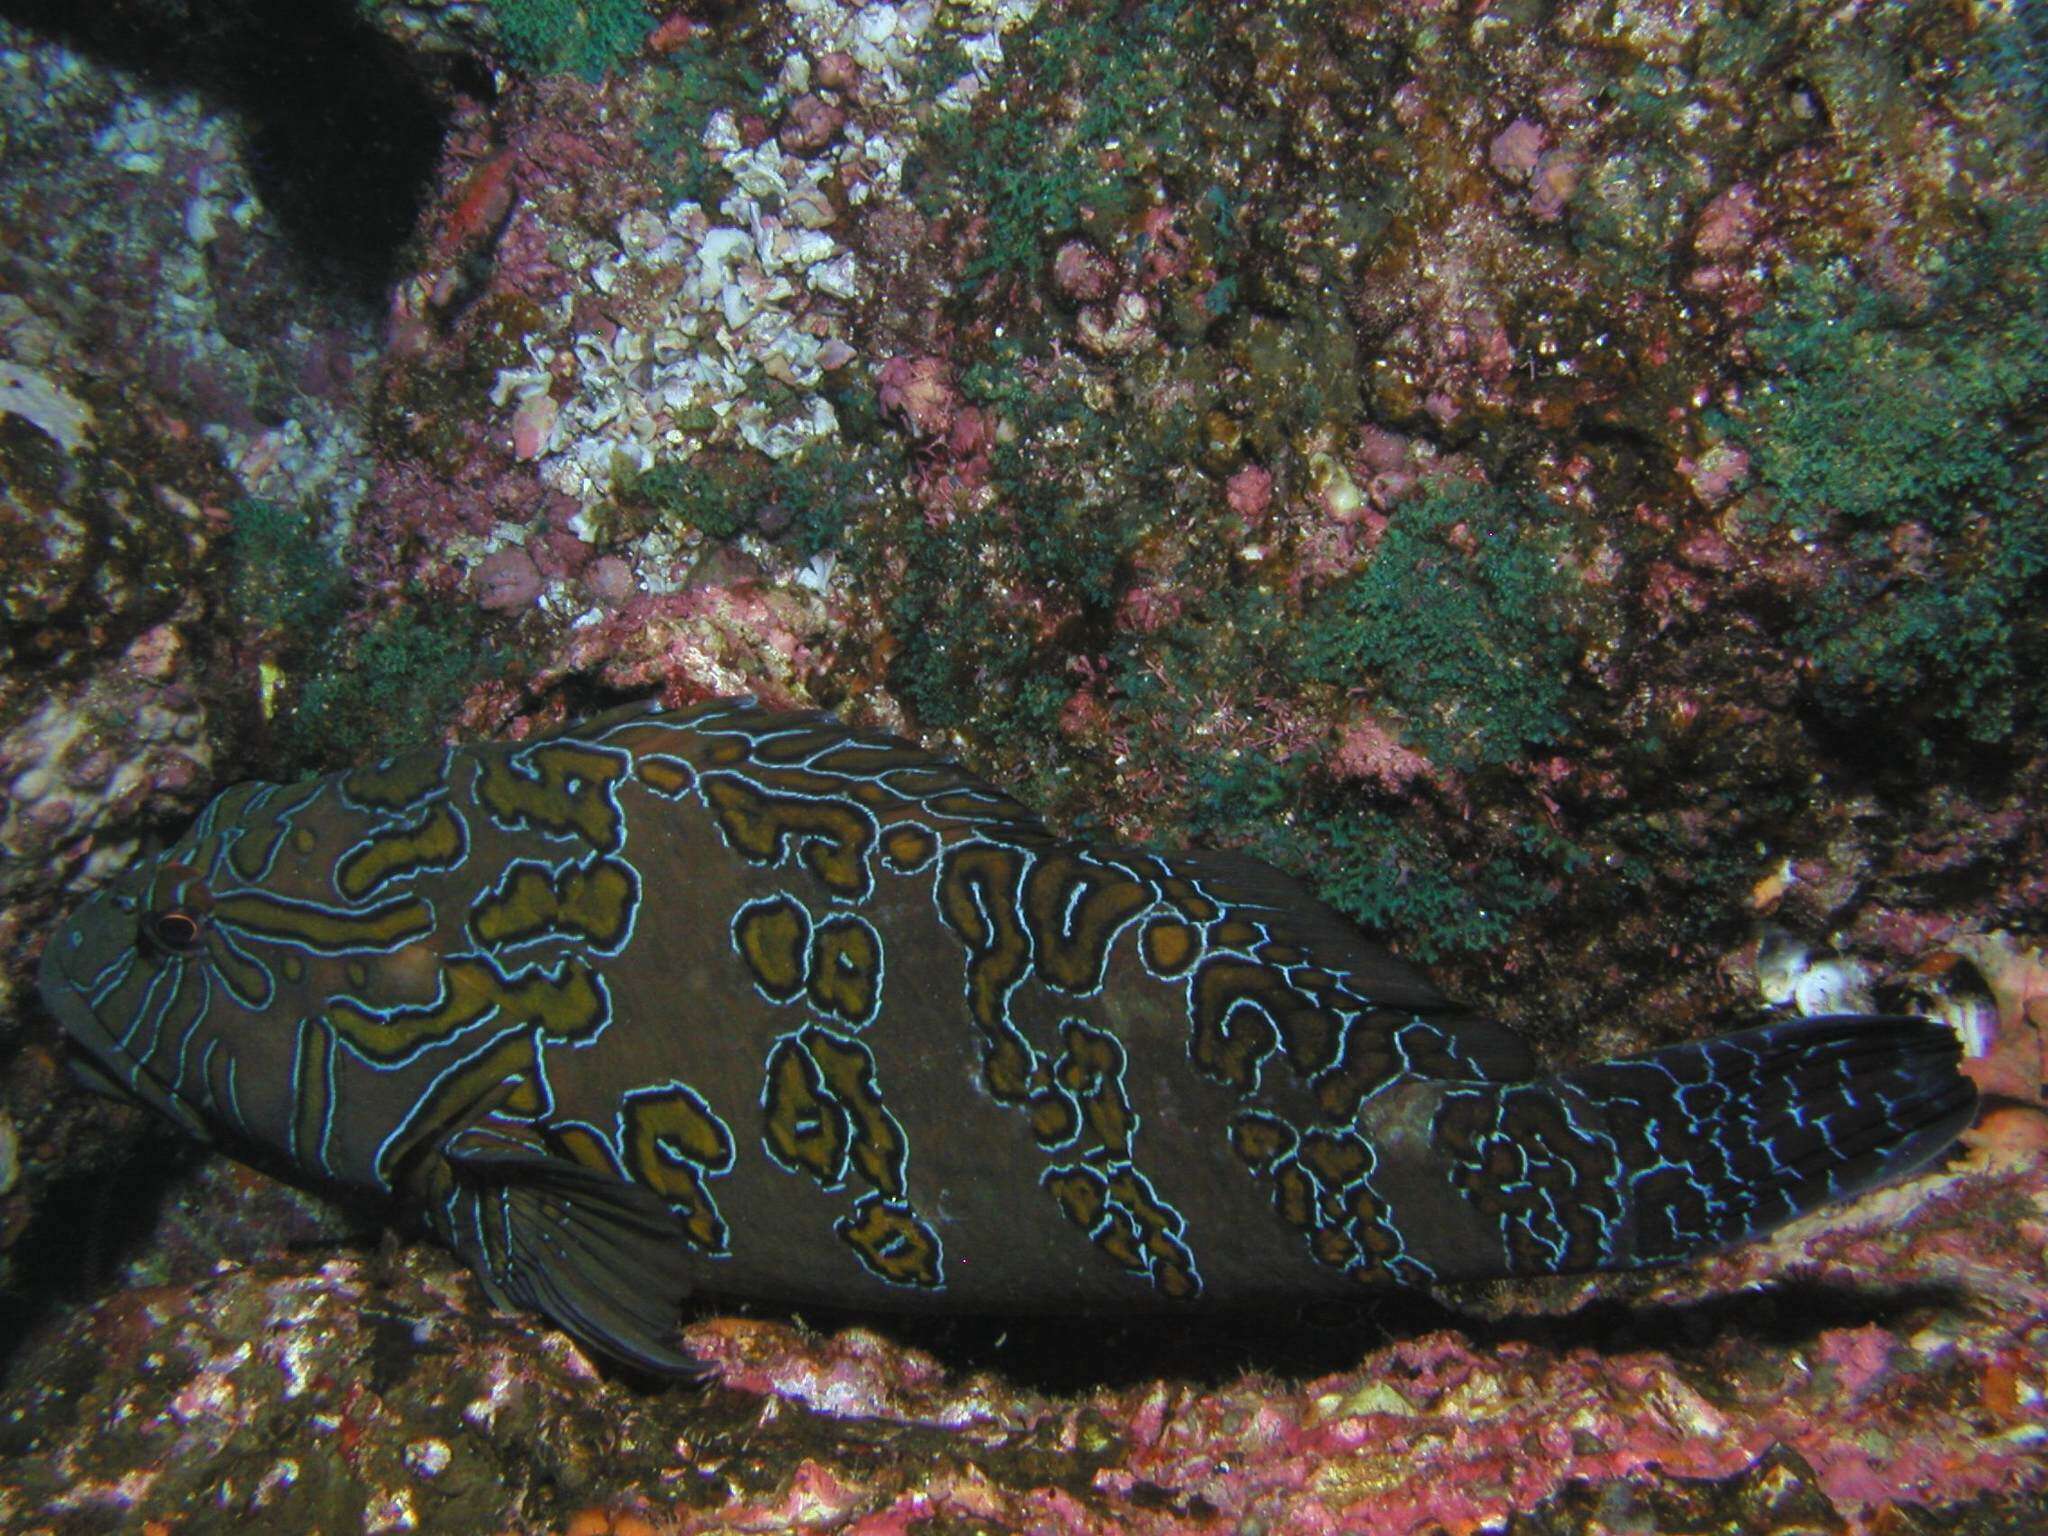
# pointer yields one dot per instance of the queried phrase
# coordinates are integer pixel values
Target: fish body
(755, 1004)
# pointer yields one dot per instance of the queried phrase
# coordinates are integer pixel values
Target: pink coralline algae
(1554, 180)
(1082, 273)
(609, 580)
(711, 640)
(1717, 474)
(1515, 149)
(1433, 1434)
(918, 390)
(1250, 492)
(1372, 752)
(507, 580)
(810, 124)
(531, 424)
(1729, 223)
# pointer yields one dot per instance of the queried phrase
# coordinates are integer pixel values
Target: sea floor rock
(1874, 1370)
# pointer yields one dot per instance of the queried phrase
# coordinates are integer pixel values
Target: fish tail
(1697, 1146)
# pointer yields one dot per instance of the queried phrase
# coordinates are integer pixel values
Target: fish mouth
(96, 1058)
(67, 1005)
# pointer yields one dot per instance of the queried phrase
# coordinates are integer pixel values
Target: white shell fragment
(29, 394)
(1781, 959)
(1789, 972)
(1832, 985)
(1959, 996)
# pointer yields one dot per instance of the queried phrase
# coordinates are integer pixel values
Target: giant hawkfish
(748, 1003)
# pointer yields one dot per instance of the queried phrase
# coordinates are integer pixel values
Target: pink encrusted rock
(1555, 179)
(609, 580)
(1718, 473)
(1516, 148)
(50, 815)
(507, 580)
(918, 390)
(531, 424)
(1082, 273)
(2006, 1038)
(672, 33)
(1371, 752)
(970, 435)
(1411, 103)
(810, 124)
(558, 554)
(156, 654)
(1083, 714)
(90, 769)
(1250, 492)
(1165, 245)
(1387, 461)
(1728, 224)
(173, 773)
(1146, 609)
(837, 71)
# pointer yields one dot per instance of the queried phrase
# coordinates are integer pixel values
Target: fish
(740, 1002)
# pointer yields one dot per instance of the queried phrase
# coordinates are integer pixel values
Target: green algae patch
(1384, 873)
(280, 575)
(333, 691)
(1907, 432)
(1441, 889)
(693, 82)
(994, 605)
(1091, 103)
(704, 496)
(1458, 621)
(391, 686)
(807, 499)
(584, 37)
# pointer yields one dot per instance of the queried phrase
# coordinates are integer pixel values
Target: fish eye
(173, 931)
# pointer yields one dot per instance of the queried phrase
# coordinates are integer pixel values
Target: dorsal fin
(588, 726)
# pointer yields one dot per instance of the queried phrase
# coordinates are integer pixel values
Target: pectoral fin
(605, 1260)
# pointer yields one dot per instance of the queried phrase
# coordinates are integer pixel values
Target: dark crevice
(1062, 1354)
(344, 128)
(89, 1220)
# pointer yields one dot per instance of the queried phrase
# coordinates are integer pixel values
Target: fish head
(116, 967)
(164, 1006)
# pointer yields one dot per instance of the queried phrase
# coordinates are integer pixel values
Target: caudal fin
(1697, 1146)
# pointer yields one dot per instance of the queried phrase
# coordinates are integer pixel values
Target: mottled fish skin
(753, 1003)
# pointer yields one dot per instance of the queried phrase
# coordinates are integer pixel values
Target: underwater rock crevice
(344, 125)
